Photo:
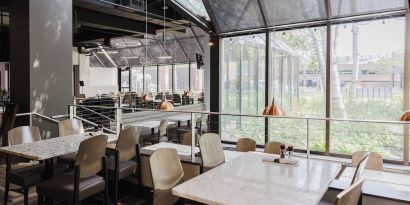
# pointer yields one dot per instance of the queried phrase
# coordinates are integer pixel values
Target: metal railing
(389, 137)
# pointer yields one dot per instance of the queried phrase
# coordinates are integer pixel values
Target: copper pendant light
(405, 116)
(273, 110)
(165, 106)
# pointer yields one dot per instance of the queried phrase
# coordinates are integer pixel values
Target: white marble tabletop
(249, 180)
(50, 148)
(183, 150)
(149, 124)
(379, 176)
(182, 117)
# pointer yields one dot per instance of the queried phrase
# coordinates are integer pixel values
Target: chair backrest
(90, 155)
(246, 145)
(163, 125)
(360, 167)
(375, 161)
(187, 139)
(272, 147)
(127, 142)
(24, 134)
(351, 195)
(166, 168)
(211, 150)
(7, 122)
(70, 127)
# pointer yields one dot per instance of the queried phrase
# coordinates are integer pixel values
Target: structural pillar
(406, 89)
(41, 41)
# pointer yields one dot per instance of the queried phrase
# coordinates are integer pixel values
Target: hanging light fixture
(273, 110)
(166, 56)
(405, 116)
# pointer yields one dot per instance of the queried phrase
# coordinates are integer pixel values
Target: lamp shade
(165, 105)
(405, 116)
(273, 110)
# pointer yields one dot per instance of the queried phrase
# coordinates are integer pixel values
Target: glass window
(196, 7)
(197, 79)
(125, 80)
(165, 78)
(243, 87)
(298, 85)
(181, 78)
(151, 79)
(137, 78)
(356, 7)
(236, 15)
(367, 83)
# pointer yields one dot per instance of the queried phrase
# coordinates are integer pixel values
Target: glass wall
(298, 76)
(197, 79)
(181, 78)
(243, 87)
(137, 79)
(165, 78)
(151, 79)
(125, 80)
(367, 83)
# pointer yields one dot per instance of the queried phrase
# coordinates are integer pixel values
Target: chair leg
(7, 182)
(116, 190)
(40, 199)
(6, 191)
(25, 193)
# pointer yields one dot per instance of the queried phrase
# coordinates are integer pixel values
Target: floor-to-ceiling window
(197, 79)
(137, 79)
(151, 79)
(243, 87)
(298, 73)
(125, 80)
(165, 78)
(181, 78)
(367, 83)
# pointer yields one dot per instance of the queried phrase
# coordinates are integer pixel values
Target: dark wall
(4, 44)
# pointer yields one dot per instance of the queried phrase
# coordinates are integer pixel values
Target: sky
(375, 37)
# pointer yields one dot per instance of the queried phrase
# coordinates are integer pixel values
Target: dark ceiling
(96, 20)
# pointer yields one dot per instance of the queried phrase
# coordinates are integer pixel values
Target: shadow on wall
(51, 67)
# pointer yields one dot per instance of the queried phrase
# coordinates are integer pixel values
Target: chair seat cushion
(27, 176)
(32, 175)
(62, 187)
(126, 168)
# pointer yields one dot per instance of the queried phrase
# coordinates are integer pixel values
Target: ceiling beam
(106, 21)
(263, 12)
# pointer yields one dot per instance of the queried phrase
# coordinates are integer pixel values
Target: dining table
(249, 179)
(48, 149)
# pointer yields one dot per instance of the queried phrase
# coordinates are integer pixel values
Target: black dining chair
(125, 162)
(27, 176)
(84, 181)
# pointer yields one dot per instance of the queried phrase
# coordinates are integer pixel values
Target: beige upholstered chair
(83, 182)
(167, 172)
(351, 195)
(211, 151)
(246, 145)
(187, 139)
(70, 127)
(272, 147)
(23, 134)
(360, 167)
(375, 161)
(160, 136)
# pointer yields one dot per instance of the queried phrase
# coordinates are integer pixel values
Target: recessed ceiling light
(107, 52)
(165, 57)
